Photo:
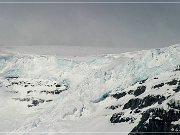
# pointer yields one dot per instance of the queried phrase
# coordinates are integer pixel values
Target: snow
(176, 122)
(81, 108)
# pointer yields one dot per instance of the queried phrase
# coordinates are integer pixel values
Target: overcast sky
(98, 25)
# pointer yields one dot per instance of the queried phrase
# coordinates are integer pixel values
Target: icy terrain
(111, 93)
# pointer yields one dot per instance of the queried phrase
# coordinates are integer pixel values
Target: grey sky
(98, 25)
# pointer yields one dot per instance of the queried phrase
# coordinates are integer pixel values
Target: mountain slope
(129, 92)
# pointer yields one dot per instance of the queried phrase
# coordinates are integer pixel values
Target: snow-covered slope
(112, 93)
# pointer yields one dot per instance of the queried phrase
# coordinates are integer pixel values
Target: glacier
(71, 95)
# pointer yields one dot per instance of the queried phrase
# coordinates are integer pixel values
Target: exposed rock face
(158, 120)
(139, 90)
(158, 85)
(116, 117)
(113, 107)
(119, 95)
(30, 94)
(173, 82)
(153, 120)
(130, 92)
(177, 89)
(177, 68)
(175, 104)
(146, 101)
(143, 81)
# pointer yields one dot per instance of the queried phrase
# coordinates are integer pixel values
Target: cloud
(98, 25)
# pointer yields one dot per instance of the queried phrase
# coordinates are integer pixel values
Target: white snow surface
(80, 109)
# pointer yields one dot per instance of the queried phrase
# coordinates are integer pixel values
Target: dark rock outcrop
(52, 92)
(119, 95)
(130, 92)
(118, 118)
(158, 85)
(146, 101)
(139, 90)
(177, 89)
(143, 81)
(177, 68)
(157, 121)
(113, 107)
(57, 85)
(115, 117)
(173, 82)
(175, 104)
(35, 102)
